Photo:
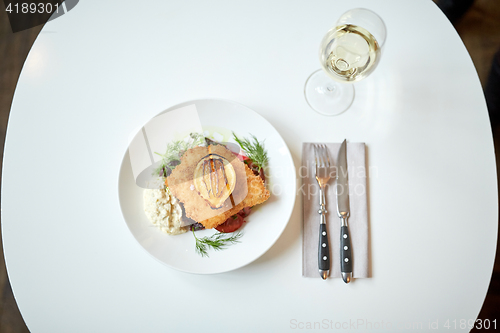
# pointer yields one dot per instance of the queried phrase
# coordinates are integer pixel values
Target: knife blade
(342, 191)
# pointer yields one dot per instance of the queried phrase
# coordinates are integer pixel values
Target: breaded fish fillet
(249, 189)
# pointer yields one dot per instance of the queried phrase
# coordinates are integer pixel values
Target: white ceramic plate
(264, 225)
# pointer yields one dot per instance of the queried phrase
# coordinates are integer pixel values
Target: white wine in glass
(348, 53)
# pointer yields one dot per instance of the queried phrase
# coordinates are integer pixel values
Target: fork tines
(321, 157)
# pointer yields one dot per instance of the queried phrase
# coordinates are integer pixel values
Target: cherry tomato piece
(232, 224)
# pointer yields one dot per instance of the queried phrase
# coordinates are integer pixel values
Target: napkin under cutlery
(358, 219)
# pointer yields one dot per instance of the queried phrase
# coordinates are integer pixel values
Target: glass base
(326, 96)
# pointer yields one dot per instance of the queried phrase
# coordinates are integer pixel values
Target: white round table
(97, 73)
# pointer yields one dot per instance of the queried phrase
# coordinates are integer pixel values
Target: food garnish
(214, 178)
(175, 150)
(254, 150)
(217, 241)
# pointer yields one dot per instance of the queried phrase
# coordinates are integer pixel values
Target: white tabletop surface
(97, 73)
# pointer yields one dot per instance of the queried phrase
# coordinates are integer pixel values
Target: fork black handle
(323, 252)
(322, 175)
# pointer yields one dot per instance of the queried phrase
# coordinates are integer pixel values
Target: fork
(322, 174)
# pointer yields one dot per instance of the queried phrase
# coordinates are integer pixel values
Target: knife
(342, 192)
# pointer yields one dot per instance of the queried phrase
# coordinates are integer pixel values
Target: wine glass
(349, 52)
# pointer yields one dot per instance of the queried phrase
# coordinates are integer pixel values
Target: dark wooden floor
(13, 51)
(479, 29)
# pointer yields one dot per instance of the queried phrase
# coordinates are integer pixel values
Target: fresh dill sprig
(175, 150)
(217, 241)
(254, 150)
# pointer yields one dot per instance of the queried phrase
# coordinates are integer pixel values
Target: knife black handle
(324, 249)
(345, 250)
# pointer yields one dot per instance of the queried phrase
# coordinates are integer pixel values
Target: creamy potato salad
(164, 211)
